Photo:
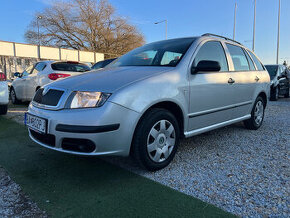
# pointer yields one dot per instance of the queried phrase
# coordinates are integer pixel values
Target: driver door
(211, 93)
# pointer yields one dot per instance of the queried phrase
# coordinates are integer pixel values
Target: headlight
(88, 99)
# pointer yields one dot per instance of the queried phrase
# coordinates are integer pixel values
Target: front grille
(46, 139)
(51, 98)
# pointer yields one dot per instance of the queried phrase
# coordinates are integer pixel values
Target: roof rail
(210, 34)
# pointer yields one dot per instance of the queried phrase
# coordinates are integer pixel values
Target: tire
(13, 96)
(3, 109)
(257, 115)
(275, 94)
(156, 139)
(287, 94)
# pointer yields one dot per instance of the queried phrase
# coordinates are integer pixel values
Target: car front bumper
(109, 129)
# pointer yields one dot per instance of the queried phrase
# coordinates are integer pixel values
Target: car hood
(108, 79)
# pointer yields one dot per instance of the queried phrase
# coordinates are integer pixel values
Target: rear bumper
(107, 130)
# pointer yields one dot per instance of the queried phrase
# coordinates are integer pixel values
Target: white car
(3, 94)
(41, 73)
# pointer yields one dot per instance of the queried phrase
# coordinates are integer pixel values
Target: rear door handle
(257, 79)
(231, 81)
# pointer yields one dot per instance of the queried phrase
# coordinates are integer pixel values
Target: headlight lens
(89, 99)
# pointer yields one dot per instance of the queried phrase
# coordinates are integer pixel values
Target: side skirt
(215, 126)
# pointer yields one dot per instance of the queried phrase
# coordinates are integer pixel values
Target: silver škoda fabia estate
(143, 102)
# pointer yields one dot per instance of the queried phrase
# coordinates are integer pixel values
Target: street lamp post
(254, 27)
(278, 38)
(38, 37)
(234, 34)
(165, 26)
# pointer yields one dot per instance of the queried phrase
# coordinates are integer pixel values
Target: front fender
(140, 96)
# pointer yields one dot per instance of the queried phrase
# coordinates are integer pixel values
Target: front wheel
(257, 115)
(156, 139)
(13, 96)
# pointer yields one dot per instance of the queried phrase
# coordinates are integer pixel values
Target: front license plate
(36, 123)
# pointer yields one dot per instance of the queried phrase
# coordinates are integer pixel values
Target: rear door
(244, 80)
(211, 93)
(31, 80)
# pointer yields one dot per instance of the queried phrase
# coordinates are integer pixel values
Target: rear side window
(38, 67)
(257, 62)
(73, 67)
(251, 63)
(238, 57)
(212, 51)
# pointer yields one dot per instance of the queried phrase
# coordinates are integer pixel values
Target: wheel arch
(172, 107)
(264, 97)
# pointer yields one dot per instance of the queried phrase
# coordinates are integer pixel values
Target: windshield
(67, 66)
(163, 53)
(272, 69)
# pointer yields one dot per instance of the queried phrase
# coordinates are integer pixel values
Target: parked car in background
(142, 103)
(102, 64)
(280, 77)
(4, 97)
(30, 80)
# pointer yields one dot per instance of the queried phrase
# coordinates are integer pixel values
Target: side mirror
(206, 66)
(17, 74)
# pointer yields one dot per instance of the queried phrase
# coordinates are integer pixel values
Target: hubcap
(259, 112)
(161, 141)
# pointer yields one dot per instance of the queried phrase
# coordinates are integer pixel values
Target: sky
(185, 18)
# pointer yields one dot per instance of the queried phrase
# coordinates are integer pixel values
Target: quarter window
(257, 62)
(238, 57)
(212, 51)
(251, 63)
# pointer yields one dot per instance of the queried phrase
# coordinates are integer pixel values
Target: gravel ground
(244, 172)
(13, 203)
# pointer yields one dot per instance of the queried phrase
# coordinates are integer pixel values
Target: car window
(70, 66)
(212, 51)
(272, 70)
(169, 56)
(27, 71)
(238, 57)
(257, 62)
(98, 65)
(38, 67)
(251, 63)
(152, 54)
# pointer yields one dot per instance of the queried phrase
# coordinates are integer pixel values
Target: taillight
(55, 76)
(2, 77)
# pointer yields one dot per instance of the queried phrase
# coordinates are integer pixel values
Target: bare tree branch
(91, 25)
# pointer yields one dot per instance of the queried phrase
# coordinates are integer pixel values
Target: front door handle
(257, 79)
(231, 81)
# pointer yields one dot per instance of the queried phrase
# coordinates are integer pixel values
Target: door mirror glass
(17, 74)
(206, 66)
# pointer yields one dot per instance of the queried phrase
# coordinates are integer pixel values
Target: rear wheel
(3, 109)
(13, 96)
(287, 94)
(156, 139)
(275, 94)
(257, 115)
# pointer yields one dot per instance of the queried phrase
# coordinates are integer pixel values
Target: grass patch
(66, 185)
